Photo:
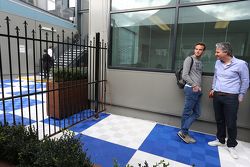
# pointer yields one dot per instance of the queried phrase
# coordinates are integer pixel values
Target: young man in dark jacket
(47, 63)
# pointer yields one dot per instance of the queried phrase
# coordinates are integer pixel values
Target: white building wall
(99, 18)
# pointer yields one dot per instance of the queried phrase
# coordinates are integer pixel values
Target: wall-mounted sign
(22, 48)
(48, 29)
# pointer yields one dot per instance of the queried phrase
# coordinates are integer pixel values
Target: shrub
(162, 163)
(63, 152)
(21, 147)
(12, 141)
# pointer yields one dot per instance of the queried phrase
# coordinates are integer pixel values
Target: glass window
(191, 1)
(142, 39)
(84, 4)
(131, 4)
(211, 24)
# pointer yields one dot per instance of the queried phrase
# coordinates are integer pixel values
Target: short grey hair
(226, 47)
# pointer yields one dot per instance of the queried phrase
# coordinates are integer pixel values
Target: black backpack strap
(192, 62)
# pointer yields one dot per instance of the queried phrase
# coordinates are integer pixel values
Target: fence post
(97, 51)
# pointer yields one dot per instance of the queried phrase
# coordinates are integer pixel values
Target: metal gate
(50, 81)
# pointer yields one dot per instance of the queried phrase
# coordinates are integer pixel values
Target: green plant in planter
(69, 93)
(70, 74)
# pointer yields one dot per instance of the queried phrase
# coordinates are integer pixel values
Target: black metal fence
(50, 91)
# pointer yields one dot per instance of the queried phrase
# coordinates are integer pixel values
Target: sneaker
(233, 152)
(185, 137)
(215, 143)
(190, 139)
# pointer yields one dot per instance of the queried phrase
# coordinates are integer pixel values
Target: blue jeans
(191, 109)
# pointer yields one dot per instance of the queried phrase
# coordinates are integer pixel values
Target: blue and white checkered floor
(132, 141)
(127, 140)
(36, 114)
(35, 117)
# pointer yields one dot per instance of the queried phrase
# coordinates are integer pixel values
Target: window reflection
(131, 4)
(233, 11)
(142, 39)
(192, 1)
(212, 24)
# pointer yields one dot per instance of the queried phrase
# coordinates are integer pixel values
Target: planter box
(5, 164)
(70, 98)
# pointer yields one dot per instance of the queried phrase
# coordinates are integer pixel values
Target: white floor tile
(40, 115)
(243, 150)
(125, 131)
(141, 157)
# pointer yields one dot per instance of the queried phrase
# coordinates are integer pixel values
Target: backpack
(178, 74)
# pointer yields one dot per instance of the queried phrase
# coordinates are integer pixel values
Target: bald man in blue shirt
(230, 84)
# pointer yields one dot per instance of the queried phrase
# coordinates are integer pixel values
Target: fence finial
(7, 19)
(33, 36)
(25, 23)
(17, 29)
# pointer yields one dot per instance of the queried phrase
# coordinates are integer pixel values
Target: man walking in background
(50, 51)
(47, 63)
(230, 83)
(192, 72)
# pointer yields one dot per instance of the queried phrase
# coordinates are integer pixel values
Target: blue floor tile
(24, 92)
(71, 119)
(18, 119)
(4, 86)
(8, 81)
(104, 153)
(17, 103)
(163, 141)
(38, 86)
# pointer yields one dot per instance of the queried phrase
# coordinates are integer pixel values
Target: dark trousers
(46, 70)
(226, 108)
